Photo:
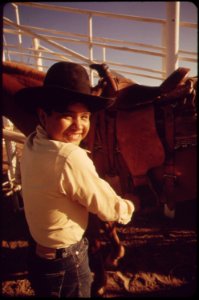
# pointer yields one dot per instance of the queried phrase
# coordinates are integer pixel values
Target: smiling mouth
(74, 136)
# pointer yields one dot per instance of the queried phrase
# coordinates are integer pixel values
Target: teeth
(74, 136)
(75, 133)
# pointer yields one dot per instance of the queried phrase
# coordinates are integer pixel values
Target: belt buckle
(64, 253)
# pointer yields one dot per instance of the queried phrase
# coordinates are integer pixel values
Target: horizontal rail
(91, 12)
(74, 35)
(102, 14)
(50, 42)
(114, 47)
(28, 30)
(14, 136)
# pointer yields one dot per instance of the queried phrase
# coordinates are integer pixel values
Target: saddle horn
(105, 74)
(100, 68)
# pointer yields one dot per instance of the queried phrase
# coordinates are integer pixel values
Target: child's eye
(85, 117)
(66, 116)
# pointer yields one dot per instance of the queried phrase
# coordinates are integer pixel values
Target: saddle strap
(169, 176)
(169, 127)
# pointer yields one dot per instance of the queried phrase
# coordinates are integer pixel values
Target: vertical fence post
(37, 54)
(6, 52)
(172, 36)
(164, 59)
(19, 31)
(10, 150)
(104, 54)
(90, 39)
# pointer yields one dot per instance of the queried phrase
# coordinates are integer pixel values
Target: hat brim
(29, 99)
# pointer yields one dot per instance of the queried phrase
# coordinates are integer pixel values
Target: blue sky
(110, 28)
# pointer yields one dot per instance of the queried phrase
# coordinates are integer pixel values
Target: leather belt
(51, 253)
(45, 252)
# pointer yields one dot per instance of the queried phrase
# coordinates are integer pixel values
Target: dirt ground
(160, 259)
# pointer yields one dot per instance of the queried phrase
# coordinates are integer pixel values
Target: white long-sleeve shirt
(60, 186)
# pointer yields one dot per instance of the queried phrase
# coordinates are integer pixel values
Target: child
(60, 185)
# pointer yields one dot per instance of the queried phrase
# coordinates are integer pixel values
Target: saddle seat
(135, 95)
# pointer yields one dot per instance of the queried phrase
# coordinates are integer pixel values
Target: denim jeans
(68, 276)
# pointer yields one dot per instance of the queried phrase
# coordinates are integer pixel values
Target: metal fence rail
(49, 45)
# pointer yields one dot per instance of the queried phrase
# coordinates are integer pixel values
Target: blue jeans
(67, 276)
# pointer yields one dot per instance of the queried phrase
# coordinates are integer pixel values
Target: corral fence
(49, 45)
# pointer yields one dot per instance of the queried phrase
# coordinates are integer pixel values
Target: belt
(51, 253)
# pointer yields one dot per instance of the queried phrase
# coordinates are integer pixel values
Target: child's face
(70, 127)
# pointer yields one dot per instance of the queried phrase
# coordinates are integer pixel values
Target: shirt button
(77, 252)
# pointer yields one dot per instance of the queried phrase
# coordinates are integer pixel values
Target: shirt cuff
(125, 211)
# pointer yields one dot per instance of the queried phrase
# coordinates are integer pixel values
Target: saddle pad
(138, 140)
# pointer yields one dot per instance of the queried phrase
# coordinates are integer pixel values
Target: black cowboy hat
(65, 83)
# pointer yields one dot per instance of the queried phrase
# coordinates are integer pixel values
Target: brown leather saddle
(136, 131)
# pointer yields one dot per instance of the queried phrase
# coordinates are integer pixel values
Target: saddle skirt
(138, 140)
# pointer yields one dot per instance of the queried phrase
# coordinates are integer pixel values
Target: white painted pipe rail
(168, 52)
(12, 135)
